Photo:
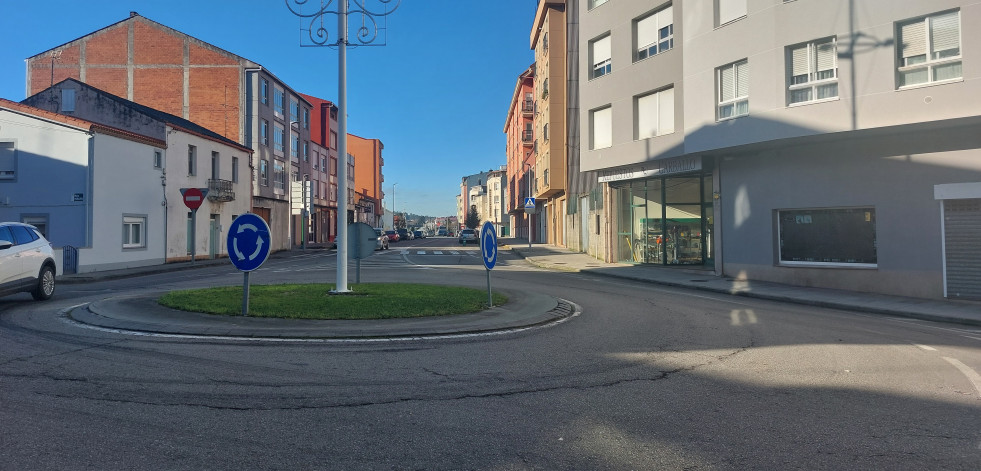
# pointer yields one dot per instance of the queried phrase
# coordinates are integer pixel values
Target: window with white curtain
(599, 52)
(655, 114)
(930, 49)
(729, 10)
(733, 90)
(813, 71)
(601, 127)
(654, 33)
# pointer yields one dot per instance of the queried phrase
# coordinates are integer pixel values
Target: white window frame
(596, 3)
(264, 91)
(606, 113)
(279, 175)
(811, 79)
(134, 231)
(737, 98)
(264, 132)
(8, 160)
(192, 160)
(664, 104)
(279, 101)
(931, 60)
(663, 34)
(264, 172)
(600, 68)
(279, 138)
(158, 159)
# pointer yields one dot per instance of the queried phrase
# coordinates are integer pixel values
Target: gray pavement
(142, 313)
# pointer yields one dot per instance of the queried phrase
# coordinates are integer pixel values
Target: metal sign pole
(245, 294)
(194, 233)
(490, 298)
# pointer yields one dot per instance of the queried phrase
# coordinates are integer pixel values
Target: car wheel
(45, 284)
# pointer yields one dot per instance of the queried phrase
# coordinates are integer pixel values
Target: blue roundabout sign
(488, 245)
(248, 242)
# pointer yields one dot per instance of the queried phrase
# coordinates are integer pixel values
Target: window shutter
(742, 79)
(945, 32)
(913, 36)
(67, 99)
(601, 50)
(647, 32)
(665, 112)
(665, 17)
(602, 128)
(826, 56)
(727, 83)
(647, 114)
(730, 10)
(798, 61)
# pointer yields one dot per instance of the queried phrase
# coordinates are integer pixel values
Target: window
(306, 118)
(930, 49)
(264, 132)
(654, 33)
(157, 159)
(601, 127)
(192, 160)
(595, 3)
(333, 140)
(323, 164)
(279, 139)
(264, 91)
(67, 100)
(134, 232)
(294, 110)
(729, 10)
(294, 145)
(215, 164)
(279, 176)
(545, 41)
(8, 160)
(306, 151)
(843, 236)
(655, 114)
(733, 90)
(279, 102)
(545, 132)
(264, 172)
(234, 169)
(813, 71)
(599, 52)
(333, 167)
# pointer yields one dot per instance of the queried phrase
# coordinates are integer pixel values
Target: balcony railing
(527, 136)
(220, 191)
(528, 106)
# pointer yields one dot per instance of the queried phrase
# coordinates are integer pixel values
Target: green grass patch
(314, 301)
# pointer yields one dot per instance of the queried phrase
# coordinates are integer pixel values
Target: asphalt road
(645, 378)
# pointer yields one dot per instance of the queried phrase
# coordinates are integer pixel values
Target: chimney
(133, 13)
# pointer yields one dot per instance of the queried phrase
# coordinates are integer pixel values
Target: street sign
(361, 240)
(488, 245)
(193, 197)
(529, 203)
(248, 242)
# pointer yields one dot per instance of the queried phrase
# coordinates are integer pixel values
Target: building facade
(814, 143)
(368, 178)
(323, 134)
(519, 132)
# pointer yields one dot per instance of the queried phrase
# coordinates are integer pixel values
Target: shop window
(842, 236)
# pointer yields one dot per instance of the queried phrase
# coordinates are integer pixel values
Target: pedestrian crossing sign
(529, 203)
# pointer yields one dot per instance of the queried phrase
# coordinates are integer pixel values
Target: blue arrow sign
(529, 202)
(488, 245)
(248, 242)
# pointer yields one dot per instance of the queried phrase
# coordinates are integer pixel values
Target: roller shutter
(962, 247)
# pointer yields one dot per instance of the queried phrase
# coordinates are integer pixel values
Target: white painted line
(438, 252)
(421, 252)
(405, 252)
(972, 375)
(454, 252)
(975, 338)
(926, 347)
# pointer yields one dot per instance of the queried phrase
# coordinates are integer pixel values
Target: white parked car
(26, 261)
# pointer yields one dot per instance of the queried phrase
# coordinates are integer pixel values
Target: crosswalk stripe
(438, 252)
(421, 252)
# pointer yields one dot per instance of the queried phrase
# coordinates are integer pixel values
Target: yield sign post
(193, 197)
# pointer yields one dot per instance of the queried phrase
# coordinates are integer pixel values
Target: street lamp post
(318, 36)
(394, 226)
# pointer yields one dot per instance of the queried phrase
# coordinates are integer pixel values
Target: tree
(473, 219)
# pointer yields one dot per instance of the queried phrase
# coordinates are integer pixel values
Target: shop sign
(651, 169)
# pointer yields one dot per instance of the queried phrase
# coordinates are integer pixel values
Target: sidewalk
(558, 258)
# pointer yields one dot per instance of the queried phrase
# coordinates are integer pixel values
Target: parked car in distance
(418, 234)
(382, 239)
(441, 232)
(468, 235)
(392, 236)
(404, 234)
(26, 261)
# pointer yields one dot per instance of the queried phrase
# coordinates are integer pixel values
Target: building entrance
(667, 220)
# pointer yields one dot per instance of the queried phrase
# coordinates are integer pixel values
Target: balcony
(528, 106)
(527, 137)
(220, 191)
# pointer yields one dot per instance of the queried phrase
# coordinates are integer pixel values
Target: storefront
(664, 212)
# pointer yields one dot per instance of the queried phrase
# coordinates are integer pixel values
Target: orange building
(368, 178)
(519, 129)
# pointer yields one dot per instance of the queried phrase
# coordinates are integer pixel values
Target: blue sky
(436, 94)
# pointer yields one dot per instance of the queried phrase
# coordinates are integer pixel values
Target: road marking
(975, 338)
(926, 347)
(438, 252)
(972, 375)
(421, 252)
